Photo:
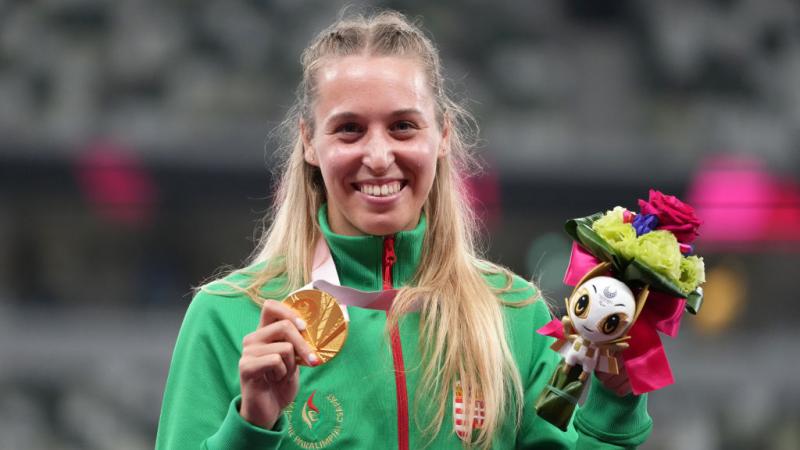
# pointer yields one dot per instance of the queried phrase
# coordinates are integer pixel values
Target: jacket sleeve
(202, 394)
(605, 421)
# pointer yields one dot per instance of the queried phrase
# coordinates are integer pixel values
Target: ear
(308, 150)
(444, 144)
(640, 300)
(601, 269)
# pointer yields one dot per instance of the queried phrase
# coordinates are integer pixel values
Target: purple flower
(645, 223)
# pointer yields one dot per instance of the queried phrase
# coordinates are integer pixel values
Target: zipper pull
(388, 261)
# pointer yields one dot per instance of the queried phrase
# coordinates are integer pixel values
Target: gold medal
(326, 328)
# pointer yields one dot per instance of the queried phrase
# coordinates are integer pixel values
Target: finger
(611, 382)
(282, 331)
(275, 375)
(615, 381)
(620, 384)
(261, 349)
(285, 349)
(274, 311)
(624, 389)
(267, 366)
(293, 377)
(604, 377)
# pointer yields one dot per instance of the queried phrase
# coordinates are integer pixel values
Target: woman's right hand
(268, 372)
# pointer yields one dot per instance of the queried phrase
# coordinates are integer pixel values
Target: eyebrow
(344, 115)
(595, 289)
(619, 304)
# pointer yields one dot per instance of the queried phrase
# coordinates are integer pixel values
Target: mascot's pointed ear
(640, 300)
(601, 269)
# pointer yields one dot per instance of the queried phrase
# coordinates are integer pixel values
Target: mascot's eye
(582, 306)
(612, 322)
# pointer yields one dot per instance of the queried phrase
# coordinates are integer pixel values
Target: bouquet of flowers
(634, 275)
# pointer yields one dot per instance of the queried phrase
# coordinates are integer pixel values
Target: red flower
(673, 215)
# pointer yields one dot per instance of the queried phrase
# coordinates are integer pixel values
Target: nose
(378, 153)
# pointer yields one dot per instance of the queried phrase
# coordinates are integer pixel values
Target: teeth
(380, 190)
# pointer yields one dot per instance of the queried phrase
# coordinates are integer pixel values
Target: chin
(380, 228)
(382, 225)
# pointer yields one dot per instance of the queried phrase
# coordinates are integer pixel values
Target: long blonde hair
(463, 334)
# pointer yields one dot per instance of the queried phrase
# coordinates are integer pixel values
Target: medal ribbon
(325, 278)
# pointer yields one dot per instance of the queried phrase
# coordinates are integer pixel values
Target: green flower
(693, 273)
(660, 251)
(619, 235)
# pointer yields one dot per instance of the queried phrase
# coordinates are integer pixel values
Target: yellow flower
(660, 251)
(693, 273)
(619, 235)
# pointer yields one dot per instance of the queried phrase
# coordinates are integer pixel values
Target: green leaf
(694, 301)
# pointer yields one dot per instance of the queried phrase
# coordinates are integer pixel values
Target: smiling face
(601, 309)
(376, 141)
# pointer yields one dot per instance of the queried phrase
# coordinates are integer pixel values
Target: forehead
(371, 85)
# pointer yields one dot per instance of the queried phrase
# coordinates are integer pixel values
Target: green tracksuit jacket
(358, 400)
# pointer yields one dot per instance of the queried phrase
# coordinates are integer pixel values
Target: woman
(373, 170)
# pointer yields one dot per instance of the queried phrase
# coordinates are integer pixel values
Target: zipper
(389, 259)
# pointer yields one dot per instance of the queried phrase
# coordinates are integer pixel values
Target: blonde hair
(463, 334)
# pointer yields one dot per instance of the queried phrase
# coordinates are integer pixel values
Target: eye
(581, 307)
(611, 322)
(349, 132)
(349, 128)
(404, 127)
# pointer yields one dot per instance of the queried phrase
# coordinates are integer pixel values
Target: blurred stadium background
(135, 162)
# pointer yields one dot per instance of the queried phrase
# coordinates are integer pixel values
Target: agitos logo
(317, 425)
(310, 412)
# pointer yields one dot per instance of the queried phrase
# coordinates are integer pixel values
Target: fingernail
(300, 324)
(313, 359)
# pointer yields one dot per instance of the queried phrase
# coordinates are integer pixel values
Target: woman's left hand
(620, 384)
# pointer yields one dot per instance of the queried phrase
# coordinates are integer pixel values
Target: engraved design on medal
(326, 329)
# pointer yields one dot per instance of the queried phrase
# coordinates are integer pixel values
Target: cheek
(425, 165)
(337, 163)
(595, 318)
